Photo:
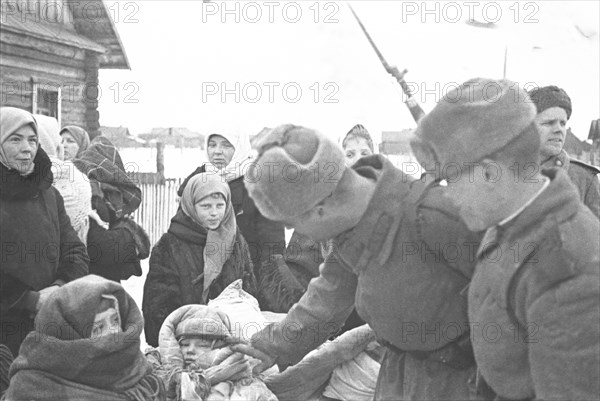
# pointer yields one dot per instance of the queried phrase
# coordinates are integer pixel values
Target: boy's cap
(211, 325)
(295, 169)
(476, 119)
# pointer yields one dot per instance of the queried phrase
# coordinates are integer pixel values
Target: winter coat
(405, 267)
(60, 360)
(113, 253)
(176, 272)
(264, 237)
(583, 175)
(534, 300)
(39, 246)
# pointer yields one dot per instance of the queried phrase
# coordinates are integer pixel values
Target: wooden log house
(50, 55)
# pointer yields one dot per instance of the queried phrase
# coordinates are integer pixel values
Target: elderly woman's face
(20, 148)
(70, 145)
(220, 151)
(210, 211)
(355, 149)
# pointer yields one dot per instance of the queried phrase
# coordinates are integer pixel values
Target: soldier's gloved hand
(233, 367)
(266, 360)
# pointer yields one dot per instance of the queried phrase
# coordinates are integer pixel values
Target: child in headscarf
(41, 251)
(228, 153)
(86, 346)
(202, 252)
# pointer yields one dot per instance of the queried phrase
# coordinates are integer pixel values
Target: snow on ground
(135, 287)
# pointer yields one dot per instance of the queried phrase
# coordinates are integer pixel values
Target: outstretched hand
(241, 346)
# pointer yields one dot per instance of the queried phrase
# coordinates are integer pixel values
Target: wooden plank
(44, 70)
(42, 45)
(77, 61)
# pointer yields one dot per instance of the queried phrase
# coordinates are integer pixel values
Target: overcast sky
(205, 65)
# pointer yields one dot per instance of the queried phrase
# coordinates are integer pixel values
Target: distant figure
(554, 110)
(86, 346)
(229, 157)
(40, 249)
(202, 252)
(356, 144)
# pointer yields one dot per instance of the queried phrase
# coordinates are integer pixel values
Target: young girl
(228, 153)
(202, 252)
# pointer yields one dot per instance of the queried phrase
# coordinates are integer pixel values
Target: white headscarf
(49, 137)
(11, 119)
(241, 158)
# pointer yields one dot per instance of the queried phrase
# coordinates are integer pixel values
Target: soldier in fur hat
(534, 300)
(553, 111)
(399, 255)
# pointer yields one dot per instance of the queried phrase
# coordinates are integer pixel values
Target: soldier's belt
(457, 354)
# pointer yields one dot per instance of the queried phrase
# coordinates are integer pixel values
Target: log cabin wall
(45, 57)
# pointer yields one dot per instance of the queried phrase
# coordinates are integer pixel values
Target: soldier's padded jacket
(583, 175)
(404, 267)
(534, 301)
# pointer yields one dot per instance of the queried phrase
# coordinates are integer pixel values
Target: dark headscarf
(80, 135)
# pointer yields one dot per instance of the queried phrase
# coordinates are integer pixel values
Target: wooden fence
(159, 205)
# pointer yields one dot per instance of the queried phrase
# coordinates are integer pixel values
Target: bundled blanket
(169, 363)
(61, 360)
(114, 194)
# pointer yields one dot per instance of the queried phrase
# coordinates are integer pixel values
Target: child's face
(106, 322)
(199, 351)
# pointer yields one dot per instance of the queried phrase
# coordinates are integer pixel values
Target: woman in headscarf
(41, 251)
(70, 182)
(202, 252)
(229, 157)
(75, 141)
(115, 243)
(86, 346)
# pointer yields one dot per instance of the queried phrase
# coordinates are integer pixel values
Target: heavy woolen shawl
(219, 242)
(114, 194)
(60, 361)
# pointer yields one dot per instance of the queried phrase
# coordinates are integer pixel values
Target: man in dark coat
(399, 254)
(534, 300)
(553, 111)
